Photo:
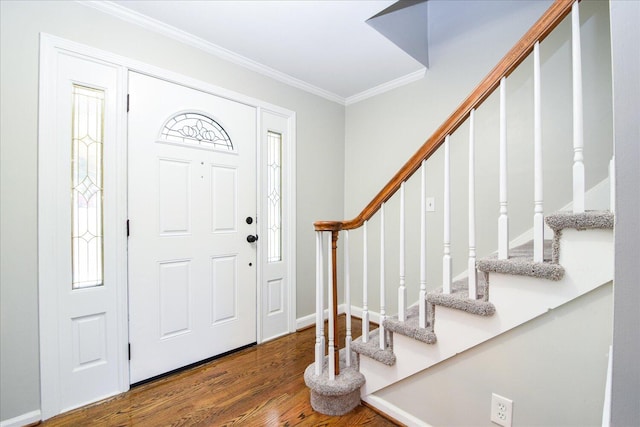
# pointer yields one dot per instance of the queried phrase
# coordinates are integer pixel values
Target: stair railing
(327, 232)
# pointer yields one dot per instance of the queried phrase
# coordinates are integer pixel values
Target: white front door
(192, 206)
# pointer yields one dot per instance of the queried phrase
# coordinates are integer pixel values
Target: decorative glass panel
(274, 202)
(198, 129)
(86, 187)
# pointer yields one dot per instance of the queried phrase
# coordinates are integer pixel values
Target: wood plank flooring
(258, 386)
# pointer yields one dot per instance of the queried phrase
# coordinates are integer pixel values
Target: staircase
(578, 260)
(496, 293)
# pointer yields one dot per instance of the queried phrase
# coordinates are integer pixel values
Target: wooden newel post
(334, 284)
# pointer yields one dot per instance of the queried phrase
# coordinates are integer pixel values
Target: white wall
(382, 132)
(320, 142)
(553, 368)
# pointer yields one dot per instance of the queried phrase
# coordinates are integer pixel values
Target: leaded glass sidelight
(196, 129)
(274, 201)
(86, 187)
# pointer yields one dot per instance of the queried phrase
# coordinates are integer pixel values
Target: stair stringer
(587, 257)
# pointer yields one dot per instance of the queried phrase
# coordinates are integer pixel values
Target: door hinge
(127, 103)
(129, 351)
(128, 228)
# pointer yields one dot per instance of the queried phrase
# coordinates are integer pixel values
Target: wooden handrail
(538, 32)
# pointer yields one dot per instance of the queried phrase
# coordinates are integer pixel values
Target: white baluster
(471, 265)
(365, 286)
(503, 220)
(319, 359)
(383, 340)
(402, 290)
(578, 137)
(446, 258)
(538, 217)
(347, 299)
(332, 345)
(422, 319)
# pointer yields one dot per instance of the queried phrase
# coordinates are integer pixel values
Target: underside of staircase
(510, 292)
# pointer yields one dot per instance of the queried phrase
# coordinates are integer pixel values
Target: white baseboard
(394, 412)
(310, 319)
(21, 420)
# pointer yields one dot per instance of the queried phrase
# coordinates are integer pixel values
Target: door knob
(251, 238)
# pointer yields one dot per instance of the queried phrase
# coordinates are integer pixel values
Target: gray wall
(320, 132)
(554, 369)
(382, 132)
(625, 33)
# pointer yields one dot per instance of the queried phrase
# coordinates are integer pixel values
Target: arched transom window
(195, 128)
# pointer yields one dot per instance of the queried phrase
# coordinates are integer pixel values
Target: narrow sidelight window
(274, 186)
(86, 187)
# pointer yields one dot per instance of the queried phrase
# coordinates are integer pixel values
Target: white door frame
(50, 48)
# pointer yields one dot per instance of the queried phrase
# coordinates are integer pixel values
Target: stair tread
(410, 328)
(580, 221)
(520, 262)
(459, 298)
(525, 252)
(372, 349)
(460, 288)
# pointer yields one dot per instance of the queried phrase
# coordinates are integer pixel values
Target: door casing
(50, 48)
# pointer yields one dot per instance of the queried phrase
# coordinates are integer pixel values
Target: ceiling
(332, 48)
(325, 47)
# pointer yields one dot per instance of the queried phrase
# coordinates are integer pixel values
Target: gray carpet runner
(521, 263)
(459, 297)
(581, 221)
(410, 328)
(340, 395)
(589, 220)
(372, 348)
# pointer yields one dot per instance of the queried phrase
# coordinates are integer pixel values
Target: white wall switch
(431, 204)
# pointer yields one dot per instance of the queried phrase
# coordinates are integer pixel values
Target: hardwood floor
(258, 386)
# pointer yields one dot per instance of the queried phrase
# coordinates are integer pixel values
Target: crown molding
(182, 36)
(384, 87)
(154, 25)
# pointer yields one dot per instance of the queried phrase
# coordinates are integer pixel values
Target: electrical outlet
(431, 204)
(501, 410)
